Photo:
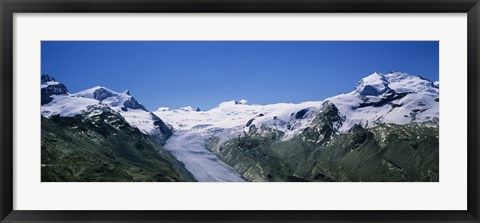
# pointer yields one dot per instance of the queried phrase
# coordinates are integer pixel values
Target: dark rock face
(365, 89)
(387, 99)
(51, 89)
(323, 124)
(250, 122)
(46, 78)
(238, 102)
(101, 94)
(300, 114)
(164, 129)
(133, 104)
(370, 91)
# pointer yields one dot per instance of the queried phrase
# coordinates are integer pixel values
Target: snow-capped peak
(377, 84)
(397, 98)
(373, 85)
(98, 93)
(49, 88)
(233, 102)
(47, 80)
(122, 103)
(160, 109)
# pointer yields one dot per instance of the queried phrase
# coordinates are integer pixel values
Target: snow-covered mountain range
(390, 98)
(395, 97)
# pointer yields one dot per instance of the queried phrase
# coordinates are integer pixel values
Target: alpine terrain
(101, 135)
(385, 129)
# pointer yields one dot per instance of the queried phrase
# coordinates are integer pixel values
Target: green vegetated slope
(386, 152)
(103, 147)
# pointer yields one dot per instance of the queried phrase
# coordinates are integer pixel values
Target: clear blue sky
(204, 73)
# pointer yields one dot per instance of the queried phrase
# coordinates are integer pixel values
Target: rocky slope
(386, 152)
(101, 135)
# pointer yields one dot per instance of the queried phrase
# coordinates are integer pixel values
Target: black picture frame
(9, 7)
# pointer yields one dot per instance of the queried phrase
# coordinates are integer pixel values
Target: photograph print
(239, 111)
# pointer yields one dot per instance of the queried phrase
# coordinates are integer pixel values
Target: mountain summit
(124, 100)
(372, 85)
(98, 98)
(377, 83)
(395, 97)
(50, 87)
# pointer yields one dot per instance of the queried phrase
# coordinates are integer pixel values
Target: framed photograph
(239, 111)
